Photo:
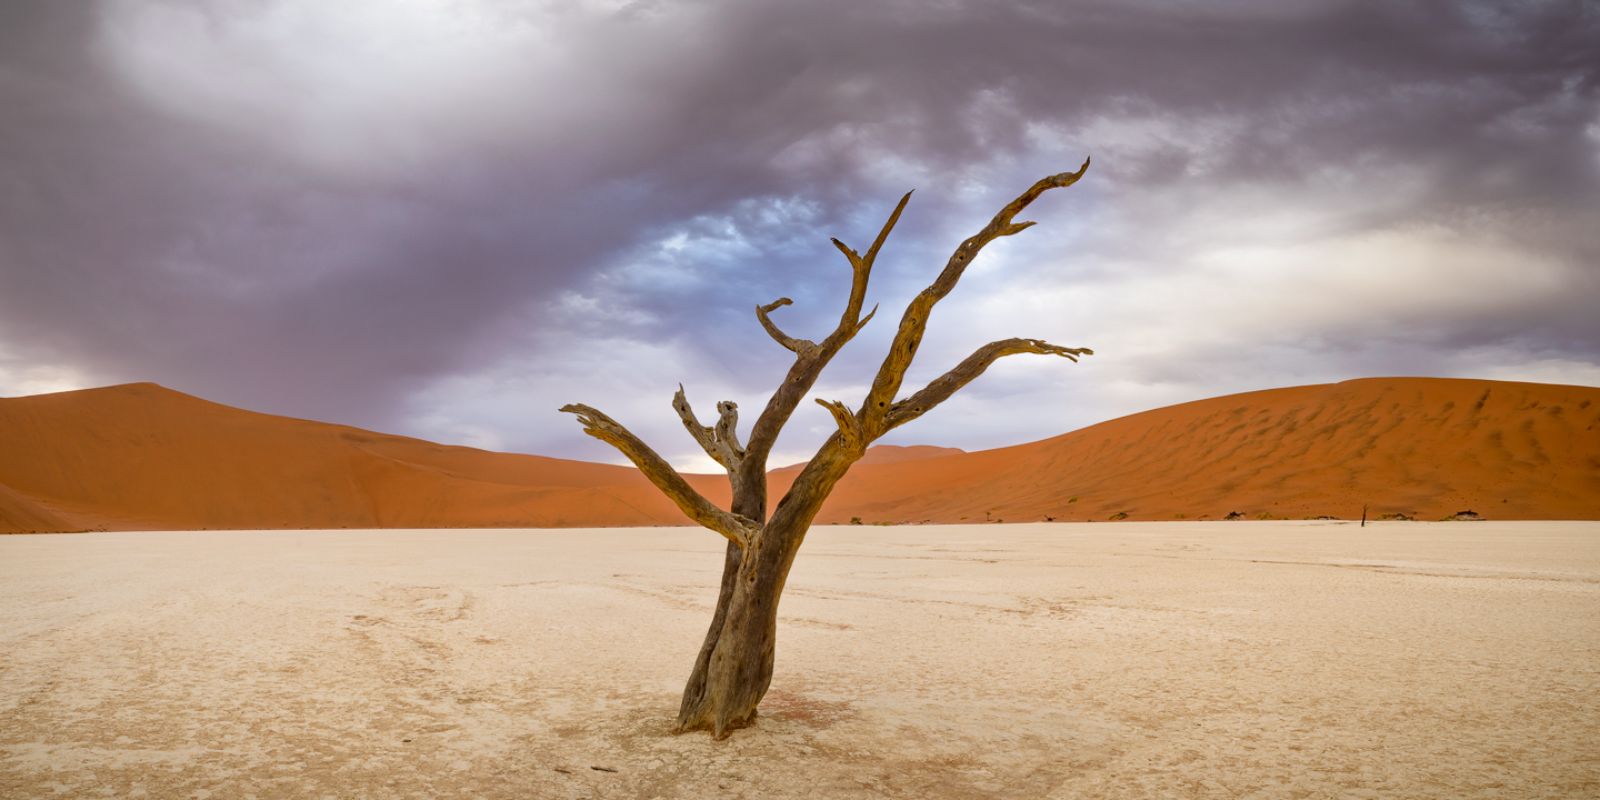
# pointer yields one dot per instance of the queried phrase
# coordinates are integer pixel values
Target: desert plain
(1276, 659)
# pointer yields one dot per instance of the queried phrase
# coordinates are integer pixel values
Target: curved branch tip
(849, 253)
(788, 342)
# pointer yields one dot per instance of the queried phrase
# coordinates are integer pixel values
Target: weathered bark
(942, 387)
(737, 528)
(693, 710)
(734, 667)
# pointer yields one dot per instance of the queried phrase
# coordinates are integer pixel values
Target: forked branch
(875, 409)
(850, 321)
(720, 442)
(942, 387)
(737, 529)
(728, 430)
(810, 358)
(849, 426)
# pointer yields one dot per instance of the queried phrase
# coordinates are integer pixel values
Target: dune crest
(142, 457)
(1422, 447)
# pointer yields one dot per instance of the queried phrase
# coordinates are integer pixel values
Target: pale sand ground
(1254, 659)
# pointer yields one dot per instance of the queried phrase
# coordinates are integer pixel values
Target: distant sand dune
(1422, 447)
(141, 456)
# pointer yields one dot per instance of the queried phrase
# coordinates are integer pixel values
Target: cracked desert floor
(1252, 659)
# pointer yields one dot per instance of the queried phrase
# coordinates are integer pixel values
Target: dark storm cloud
(446, 219)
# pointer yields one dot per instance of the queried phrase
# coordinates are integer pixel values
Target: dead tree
(734, 667)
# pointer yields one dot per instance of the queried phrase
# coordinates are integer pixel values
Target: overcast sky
(447, 218)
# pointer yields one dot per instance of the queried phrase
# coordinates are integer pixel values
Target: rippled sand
(1254, 659)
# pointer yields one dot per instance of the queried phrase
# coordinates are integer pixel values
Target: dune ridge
(1420, 447)
(144, 457)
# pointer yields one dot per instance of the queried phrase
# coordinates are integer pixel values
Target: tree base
(709, 724)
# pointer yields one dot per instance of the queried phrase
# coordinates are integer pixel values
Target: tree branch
(851, 255)
(875, 409)
(738, 529)
(721, 442)
(808, 363)
(849, 426)
(864, 320)
(728, 429)
(789, 342)
(941, 388)
(850, 321)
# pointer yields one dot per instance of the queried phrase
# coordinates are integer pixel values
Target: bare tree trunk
(734, 667)
(735, 664)
(738, 668)
(734, 671)
(750, 500)
(692, 710)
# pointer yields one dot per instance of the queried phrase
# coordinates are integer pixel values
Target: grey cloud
(295, 232)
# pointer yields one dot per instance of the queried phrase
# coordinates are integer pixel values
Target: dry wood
(942, 387)
(720, 442)
(915, 320)
(789, 342)
(738, 529)
(849, 426)
(734, 666)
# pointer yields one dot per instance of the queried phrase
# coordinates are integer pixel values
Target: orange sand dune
(1423, 447)
(141, 456)
(144, 457)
